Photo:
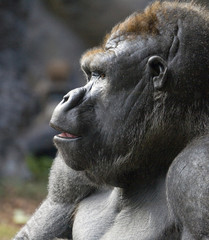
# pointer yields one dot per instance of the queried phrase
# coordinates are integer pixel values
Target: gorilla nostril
(65, 98)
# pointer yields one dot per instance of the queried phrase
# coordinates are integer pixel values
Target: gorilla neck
(153, 161)
(141, 177)
(153, 165)
(138, 194)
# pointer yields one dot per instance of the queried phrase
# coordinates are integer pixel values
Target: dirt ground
(24, 198)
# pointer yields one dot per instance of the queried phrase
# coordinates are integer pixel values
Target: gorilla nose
(73, 98)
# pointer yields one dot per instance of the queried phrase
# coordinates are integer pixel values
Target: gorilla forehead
(159, 22)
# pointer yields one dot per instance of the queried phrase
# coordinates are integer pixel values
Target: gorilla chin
(68, 148)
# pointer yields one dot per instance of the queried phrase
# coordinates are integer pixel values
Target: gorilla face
(102, 122)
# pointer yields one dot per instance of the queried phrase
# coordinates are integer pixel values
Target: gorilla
(133, 148)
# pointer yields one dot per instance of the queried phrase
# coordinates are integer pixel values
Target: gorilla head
(146, 96)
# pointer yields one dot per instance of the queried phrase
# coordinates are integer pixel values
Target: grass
(7, 232)
(39, 166)
(18, 197)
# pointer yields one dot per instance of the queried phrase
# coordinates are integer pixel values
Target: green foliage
(2, 191)
(33, 189)
(36, 190)
(39, 166)
(7, 231)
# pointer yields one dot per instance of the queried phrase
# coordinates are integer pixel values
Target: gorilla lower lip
(67, 135)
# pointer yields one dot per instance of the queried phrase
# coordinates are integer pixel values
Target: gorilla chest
(98, 218)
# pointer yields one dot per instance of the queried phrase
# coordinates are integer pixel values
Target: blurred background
(41, 42)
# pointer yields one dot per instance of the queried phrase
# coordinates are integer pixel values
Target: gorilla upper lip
(64, 133)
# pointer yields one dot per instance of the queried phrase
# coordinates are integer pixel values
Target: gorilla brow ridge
(93, 51)
(88, 56)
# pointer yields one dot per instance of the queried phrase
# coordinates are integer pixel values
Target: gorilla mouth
(63, 134)
(67, 135)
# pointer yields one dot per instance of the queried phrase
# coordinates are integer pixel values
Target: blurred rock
(92, 19)
(17, 104)
(50, 42)
(58, 70)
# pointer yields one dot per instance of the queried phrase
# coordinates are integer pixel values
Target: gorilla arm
(187, 189)
(53, 218)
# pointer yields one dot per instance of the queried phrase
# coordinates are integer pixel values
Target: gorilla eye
(98, 75)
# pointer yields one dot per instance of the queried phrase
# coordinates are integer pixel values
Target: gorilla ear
(158, 71)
